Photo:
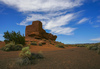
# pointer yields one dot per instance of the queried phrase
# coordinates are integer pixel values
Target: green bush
(33, 43)
(94, 48)
(98, 51)
(44, 39)
(12, 47)
(27, 57)
(50, 41)
(28, 45)
(13, 36)
(18, 47)
(60, 46)
(36, 56)
(40, 44)
(80, 46)
(89, 47)
(24, 61)
(25, 53)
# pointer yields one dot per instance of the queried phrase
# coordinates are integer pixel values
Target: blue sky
(73, 21)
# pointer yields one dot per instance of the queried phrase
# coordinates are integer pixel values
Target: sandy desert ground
(55, 58)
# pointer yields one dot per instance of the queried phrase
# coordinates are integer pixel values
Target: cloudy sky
(73, 21)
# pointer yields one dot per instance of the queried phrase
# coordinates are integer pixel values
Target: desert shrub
(80, 45)
(27, 57)
(60, 46)
(28, 45)
(94, 48)
(98, 46)
(98, 51)
(50, 41)
(33, 43)
(9, 46)
(28, 61)
(18, 47)
(39, 55)
(89, 47)
(43, 42)
(13, 36)
(44, 39)
(25, 53)
(12, 47)
(66, 45)
(36, 56)
(24, 61)
(40, 44)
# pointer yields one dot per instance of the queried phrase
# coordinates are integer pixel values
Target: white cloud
(95, 0)
(98, 18)
(42, 5)
(52, 13)
(63, 30)
(96, 39)
(42, 17)
(53, 22)
(96, 26)
(83, 20)
(1, 34)
(59, 21)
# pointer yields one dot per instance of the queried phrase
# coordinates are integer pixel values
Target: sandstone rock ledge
(35, 31)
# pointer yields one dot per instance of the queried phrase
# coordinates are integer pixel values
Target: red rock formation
(35, 31)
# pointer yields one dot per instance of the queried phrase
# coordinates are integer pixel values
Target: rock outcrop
(35, 31)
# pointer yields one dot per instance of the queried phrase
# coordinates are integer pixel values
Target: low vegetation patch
(92, 46)
(60, 46)
(89, 47)
(12, 47)
(40, 44)
(50, 41)
(98, 51)
(26, 57)
(33, 43)
(95, 47)
(44, 39)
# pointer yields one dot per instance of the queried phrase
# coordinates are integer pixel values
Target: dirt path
(73, 58)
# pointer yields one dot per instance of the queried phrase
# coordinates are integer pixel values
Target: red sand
(47, 48)
(68, 58)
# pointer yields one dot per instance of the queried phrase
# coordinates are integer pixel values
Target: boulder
(35, 31)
